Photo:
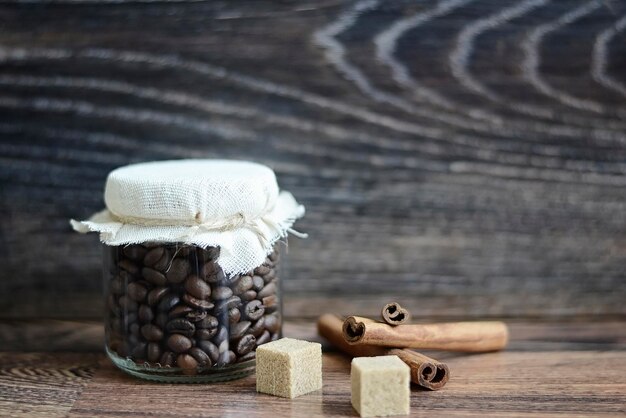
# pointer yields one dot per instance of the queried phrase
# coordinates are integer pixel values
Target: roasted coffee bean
(184, 251)
(167, 359)
(207, 272)
(234, 315)
(272, 322)
(155, 295)
(139, 351)
(248, 295)
(246, 344)
(179, 343)
(225, 305)
(253, 310)
(242, 284)
(181, 326)
(268, 290)
(136, 291)
(180, 311)
(197, 303)
(209, 322)
(211, 349)
(197, 287)
(250, 356)
(195, 316)
(178, 271)
(222, 293)
(264, 338)
(129, 266)
(205, 334)
(257, 327)
(155, 277)
(262, 269)
(275, 336)
(187, 363)
(134, 329)
(223, 347)
(270, 303)
(151, 332)
(145, 314)
(161, 320)
(222, 335)
(210, 253)
(154, 352)
(117, 285)
(257, 283)
(168, 302)
(134, 252)
(274, 255)
(239, 329)
(153, 255)
(163, 262)
(127, 304)
(200, 356)
(269, 276)
(232, 357)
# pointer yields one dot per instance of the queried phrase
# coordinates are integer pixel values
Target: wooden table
(554, 369)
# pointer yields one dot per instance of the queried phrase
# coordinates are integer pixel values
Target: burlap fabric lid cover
(235, 205)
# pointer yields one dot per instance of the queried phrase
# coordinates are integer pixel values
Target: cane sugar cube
(288, 367)
(380, 386)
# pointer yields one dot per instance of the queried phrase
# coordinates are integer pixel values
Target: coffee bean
(272, 322)
(268, 290)
(209, 322)
(209, 348)
(242, 284)
(207, 272)
(269, 276)
(180, 311)
(210, 253)
(264, 338)
(136, 291)
(127, 304)
(200, 356)
(151, 332)
(196, 316)
(232, 357)
(134, 329)
(134, 252)
(117, 285)
(181, 326)
(197, 287)
(129, 266)
(184, 251)
(257, 327)
(139, 351)
(145, 314)
(239, 329)
(168, 302)
(167, 359)
(154, 352)
(187, 363)
(246, 344)
(270, 303)
(274, 255)
(234, 315)
(248, 295)
(179, 343)
(253, 310)
(257, 283)
(155, 295)
(163, 262)
(178, 271)
(161, 320)
(153, 255)
(222, 336)
(225, 305)
(197, 303)
(155, 277)
(222, 293)
(262, 269)
(250, 356)
(205, 334)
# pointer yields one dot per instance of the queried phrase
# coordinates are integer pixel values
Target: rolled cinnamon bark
(394, 314)
(425, 372)
(470, 337)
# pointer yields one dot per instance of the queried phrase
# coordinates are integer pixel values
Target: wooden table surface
(554, 369)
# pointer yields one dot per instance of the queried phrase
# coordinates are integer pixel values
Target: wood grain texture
(552, 369)
(468, 156)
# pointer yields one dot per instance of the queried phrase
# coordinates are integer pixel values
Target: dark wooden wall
(468, 157)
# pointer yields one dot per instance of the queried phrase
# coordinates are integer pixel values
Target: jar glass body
(172, 315)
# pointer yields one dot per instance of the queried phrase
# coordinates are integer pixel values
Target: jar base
(175, 374)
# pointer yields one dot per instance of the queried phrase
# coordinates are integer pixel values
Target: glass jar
(190, 266)
(172, 315)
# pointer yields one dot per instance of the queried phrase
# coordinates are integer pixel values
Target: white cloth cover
(235, 205)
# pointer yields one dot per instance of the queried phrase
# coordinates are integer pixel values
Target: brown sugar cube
(288, 367)
(380, 386)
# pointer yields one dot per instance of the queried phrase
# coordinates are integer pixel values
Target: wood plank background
(466, 156)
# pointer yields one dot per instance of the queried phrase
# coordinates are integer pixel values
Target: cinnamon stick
(425, 372)
(394, 314)
(471, 337)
